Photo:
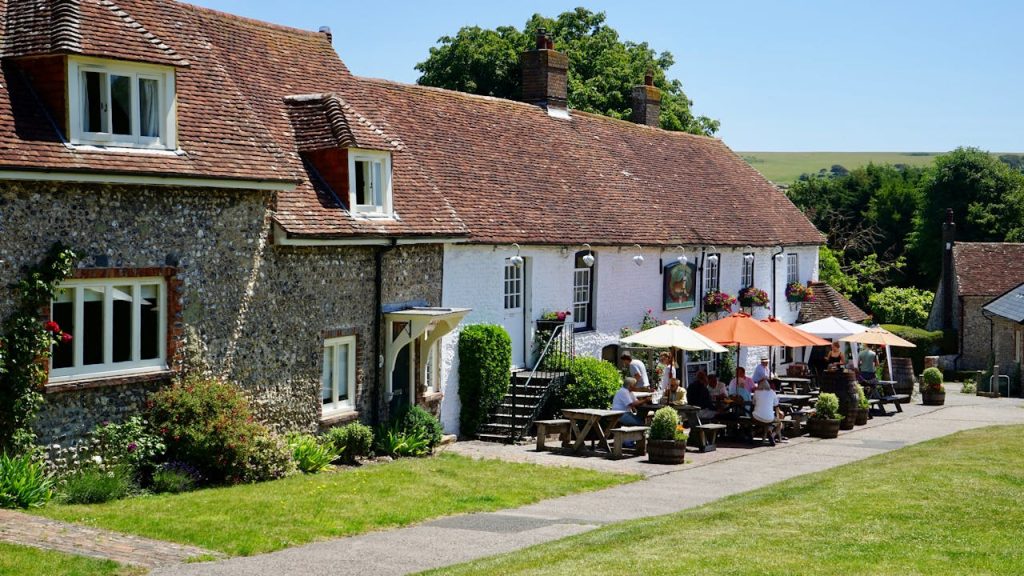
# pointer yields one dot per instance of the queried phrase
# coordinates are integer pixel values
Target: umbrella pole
(888, 359)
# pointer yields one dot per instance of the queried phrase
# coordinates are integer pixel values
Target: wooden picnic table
(591, 419)
(797, 383)
(795, 399)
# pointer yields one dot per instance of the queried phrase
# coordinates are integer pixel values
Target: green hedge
(592, 384)
(928, 343)
(485, 364)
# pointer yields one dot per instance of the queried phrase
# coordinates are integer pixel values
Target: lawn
(26, 560)
(948, 506)
(256, 518)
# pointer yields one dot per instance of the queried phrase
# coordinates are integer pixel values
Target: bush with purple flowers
(128, 443)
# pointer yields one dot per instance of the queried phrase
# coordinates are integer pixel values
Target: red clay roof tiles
(987, 268)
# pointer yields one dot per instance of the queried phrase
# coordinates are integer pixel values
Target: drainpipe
(699, 288)
(775, 288)
(378, 305)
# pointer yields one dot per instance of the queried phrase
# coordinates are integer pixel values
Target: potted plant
(862, 406)
(667, 441)
(932, 391)
(750, 297)
(825, 422)
(716, 302)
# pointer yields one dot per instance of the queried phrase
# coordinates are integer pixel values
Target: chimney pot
(542, 39)
(326, 31)
(649, 78)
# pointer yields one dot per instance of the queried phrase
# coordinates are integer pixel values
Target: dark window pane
(64, 316)
(150, 320)
(92, 326)
(122, 343)
(362, 190)
(121, 104)
(93, 113)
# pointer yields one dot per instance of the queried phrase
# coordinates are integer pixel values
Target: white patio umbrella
(833, 328)
(673, 334)
(880, 336)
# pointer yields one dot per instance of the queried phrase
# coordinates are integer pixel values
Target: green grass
(786, 167)
(17, 560)
(948, 506)
(257, 518)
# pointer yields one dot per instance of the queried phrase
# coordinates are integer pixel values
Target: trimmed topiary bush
(664, 424)
(485, 363)
(351, 441)
(827, 406)
(592, 384)
(931, 379)
(208, 424)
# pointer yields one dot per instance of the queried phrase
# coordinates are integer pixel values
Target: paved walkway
(712, 476)
(21, 528)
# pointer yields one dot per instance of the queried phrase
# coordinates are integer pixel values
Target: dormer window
(369, 182)
(121, 104)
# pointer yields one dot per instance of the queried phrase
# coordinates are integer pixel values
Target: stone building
(1006, 317)
(219, 189)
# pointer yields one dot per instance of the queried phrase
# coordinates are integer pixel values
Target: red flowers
(65, 337)
(52, 326)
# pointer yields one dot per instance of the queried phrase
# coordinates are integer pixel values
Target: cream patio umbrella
(881, 337)
(674, 335)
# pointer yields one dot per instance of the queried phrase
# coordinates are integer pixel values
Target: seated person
(741, 387)
(762, 373)
(767, 411)
(625, 400)
(718, 389)
(699, 394)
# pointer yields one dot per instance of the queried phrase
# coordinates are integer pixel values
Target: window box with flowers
(718, 302)
(797, 293)
(750, 297)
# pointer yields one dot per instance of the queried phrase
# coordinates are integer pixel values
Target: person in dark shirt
(698, 394)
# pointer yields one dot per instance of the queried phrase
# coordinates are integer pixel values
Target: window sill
(432, 397)
(91, 383)
(150, 150)
(335, 418)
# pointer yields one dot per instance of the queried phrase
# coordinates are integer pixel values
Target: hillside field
(785, 167)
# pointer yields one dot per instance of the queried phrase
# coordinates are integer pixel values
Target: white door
(515, 311)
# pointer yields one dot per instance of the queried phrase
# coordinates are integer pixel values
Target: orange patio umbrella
(741, 330)
(794, 337)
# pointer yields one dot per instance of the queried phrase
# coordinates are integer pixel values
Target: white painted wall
(623, 291)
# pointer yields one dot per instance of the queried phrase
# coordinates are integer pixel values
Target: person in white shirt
(766, 410)
(625, 400)
(762, 372)
(636, 369)
(669, 385)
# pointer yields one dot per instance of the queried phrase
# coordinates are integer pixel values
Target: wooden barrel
(842, 383)
(931, 362)
(903, 375)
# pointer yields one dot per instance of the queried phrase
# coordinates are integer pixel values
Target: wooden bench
(625, 434)
(545, 427)
(707, 434)
(885, 393)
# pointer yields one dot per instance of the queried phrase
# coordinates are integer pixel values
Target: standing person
(636, 369)
(866, 362)
(762, 372)
(766, 411)
(669, 384)
(835, 357)
(625, 400)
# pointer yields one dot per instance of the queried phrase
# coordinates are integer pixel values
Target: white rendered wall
(623, 292)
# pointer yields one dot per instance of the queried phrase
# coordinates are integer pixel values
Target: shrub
(664, 424)
(175, 478)
(207, 423)
(862, 399)
(351, 440)
(397, 443)
(310, 454)
(485, 362)
(928, 343)
(969, 387)
(827, 406)
(414, 419)
(23, 482)
(931, 380)
(95, 485)
(128, 443)
(592, 384)
(906, 306)
(727, 365)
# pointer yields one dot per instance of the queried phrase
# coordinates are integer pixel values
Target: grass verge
(948, 506)
(257, 518)
(16, 560)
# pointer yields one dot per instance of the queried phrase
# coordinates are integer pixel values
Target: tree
(905, 306)
(602, 68)
(987, 199)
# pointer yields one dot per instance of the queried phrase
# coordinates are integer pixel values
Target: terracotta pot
(666, 451)
(821, 428)
(933, 398)
(862, 417)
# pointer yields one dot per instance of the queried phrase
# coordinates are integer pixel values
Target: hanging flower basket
(751, 297)
(716, 302)
(797, 292)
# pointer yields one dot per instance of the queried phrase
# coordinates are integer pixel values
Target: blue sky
(789, 76)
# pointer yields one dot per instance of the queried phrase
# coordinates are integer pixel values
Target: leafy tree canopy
(602, 68)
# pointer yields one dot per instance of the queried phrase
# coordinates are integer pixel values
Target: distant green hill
(785, 167)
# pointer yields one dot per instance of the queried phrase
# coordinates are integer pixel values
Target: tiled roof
(515, 174)
(987, 268)
(1010, 305)
(829, 302)
(326, 121)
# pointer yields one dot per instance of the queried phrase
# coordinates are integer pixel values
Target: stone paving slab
(709, 477)
(29, 530)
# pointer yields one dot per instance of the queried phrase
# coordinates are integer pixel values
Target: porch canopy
(421, 326)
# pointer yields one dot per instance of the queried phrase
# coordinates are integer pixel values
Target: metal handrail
(559, 332)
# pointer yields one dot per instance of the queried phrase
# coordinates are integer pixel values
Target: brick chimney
(326, 31)
(948, 237)
(647, 102)
(544, 76)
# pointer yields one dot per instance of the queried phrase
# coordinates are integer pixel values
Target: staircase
(530, 390)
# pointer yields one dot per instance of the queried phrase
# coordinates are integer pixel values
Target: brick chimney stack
(544, 76)
(326, 31)
(647, 102)
(946, 287)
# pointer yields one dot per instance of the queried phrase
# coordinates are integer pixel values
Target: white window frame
(164, 75)
(108, 367)
(711, 273)
(384, 210)
(432, 369)
(792, 268)
(333, 346)
(1018, 346)
(513, 292)
(583, 298)
(747, 273)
